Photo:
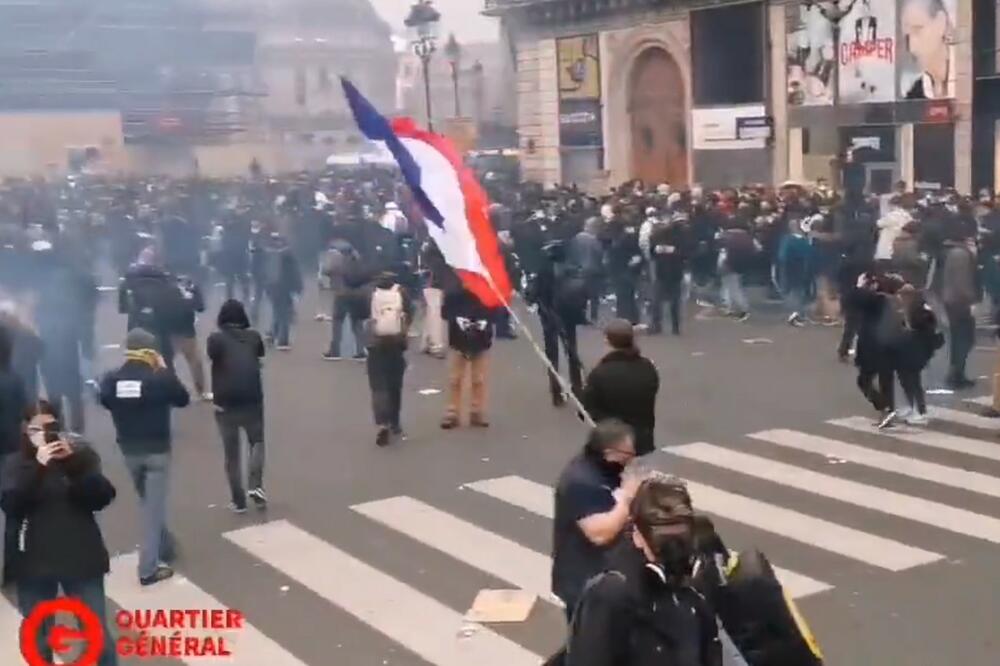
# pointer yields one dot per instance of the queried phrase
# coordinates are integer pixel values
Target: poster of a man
(927, 65)
(810, 56)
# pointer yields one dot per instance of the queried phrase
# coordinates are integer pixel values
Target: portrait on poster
(810, 57)
(867, 52)
(927, 49)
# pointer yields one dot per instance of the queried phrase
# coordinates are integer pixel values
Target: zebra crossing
(390, 602)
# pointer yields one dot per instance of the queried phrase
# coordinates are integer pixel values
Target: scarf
(148, 356)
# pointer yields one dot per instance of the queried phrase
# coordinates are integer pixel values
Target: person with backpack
(641, 610)
(282, 283)
(145, 295)
(387, 333)
(344, 267)
(235, 351)
(470, 336)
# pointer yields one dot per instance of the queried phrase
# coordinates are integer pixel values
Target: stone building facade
(725, 93)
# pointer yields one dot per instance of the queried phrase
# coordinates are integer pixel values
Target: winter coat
(920, 338)
(669, 248)
(958, 286)
(13, 403)
(624, 385)
(54, 508)
(470, 323)
(880, 330)
(139, 398)
(235, 351)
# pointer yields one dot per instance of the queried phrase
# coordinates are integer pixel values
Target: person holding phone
(51, 490)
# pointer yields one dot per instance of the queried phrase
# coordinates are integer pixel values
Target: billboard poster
(718, 128)
(867, 53)
(578, 60)
(809, 55)
(927, 49)
(579, 67)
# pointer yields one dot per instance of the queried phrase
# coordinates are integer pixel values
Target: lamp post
(422, 23)
(477, 74)
(834, 13)
(454, 54)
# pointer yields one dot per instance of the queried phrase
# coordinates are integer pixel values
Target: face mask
(612, 468)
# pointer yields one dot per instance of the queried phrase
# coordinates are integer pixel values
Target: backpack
(763, 622)
(387, 312)
(571, 289)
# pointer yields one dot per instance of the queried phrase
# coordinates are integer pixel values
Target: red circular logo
(61, 639)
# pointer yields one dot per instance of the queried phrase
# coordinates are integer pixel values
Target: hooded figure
(235, 351)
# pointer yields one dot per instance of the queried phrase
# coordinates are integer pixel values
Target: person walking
(184, 336)
(140, 395)
(387, 332)
(344, 267)
(282, 283)
(958, 293)
(437, 274)
(50, 490)
(921, 339)
(470, 336)
(235, 351)
(623, 385)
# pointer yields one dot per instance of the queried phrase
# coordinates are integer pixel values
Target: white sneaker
(207, 396)
(917, 419)
(905, 413)
(887, 421)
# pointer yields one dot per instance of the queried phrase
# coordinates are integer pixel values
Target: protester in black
(879, 333)
(642, 611)
(235, 351)
(624, 385)
(591, 509)
(13, 404)
(51, 489)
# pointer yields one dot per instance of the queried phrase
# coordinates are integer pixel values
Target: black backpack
(571, 289)
(761, 619)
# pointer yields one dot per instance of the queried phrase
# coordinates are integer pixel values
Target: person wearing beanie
(140, 395)
(623, 385)
(235, 351)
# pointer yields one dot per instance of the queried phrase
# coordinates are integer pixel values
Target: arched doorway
(658, 119)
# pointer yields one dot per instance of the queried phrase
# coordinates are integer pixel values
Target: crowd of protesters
(887, 268)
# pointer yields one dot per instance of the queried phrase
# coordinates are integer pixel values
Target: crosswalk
(411, 614)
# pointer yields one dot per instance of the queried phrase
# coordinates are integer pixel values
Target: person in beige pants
(470, 337)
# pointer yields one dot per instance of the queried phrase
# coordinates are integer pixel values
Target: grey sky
(459, 16)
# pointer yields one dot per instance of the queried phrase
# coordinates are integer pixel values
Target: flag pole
(563, 384)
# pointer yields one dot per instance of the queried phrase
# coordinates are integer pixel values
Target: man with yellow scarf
(140, 395)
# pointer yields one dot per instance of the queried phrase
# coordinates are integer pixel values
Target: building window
(323, 80)
(300, 87)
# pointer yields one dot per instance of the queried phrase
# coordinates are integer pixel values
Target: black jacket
(235, 352)
(470, 323)
(144, 294)
(624, 386)
(13, 402)
(139, 399)
(668, 249)
(54, 509)
(629, 616)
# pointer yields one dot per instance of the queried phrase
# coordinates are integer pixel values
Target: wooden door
(658, 119)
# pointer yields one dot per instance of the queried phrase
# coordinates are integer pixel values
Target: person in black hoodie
(146, 295)
(51, 489)
(624, 386)
(282, 282)
(879, 334)
(470, 336)
(13, 404)
(140, 395)
(235, 351)
(642, 611)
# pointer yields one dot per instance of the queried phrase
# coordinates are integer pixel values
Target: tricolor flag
(454, 204)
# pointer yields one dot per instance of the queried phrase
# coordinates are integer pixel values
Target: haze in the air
(459, 16)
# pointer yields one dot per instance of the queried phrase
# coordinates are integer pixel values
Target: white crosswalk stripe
(10, 627)
(412, 619)
(986, 400)
(912, 508)
(538, 499)
(963, 417)
(889, 462)
(248, 645)
(484, 550)
(928, 438)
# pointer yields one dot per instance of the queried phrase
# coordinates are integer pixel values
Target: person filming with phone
(51, 490)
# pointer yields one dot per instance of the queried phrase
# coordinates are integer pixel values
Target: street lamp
(454, 54)
(422, 23)
(477, 76)
(834, 14)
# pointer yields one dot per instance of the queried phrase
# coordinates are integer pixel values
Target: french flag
(454, 204)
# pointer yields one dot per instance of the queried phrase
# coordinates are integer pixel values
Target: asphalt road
(893, 555)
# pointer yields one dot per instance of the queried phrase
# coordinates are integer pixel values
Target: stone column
(963, 97)
(779, 92)
(906, 154)
(548, 111)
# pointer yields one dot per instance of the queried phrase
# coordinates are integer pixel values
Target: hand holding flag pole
(455, 209)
